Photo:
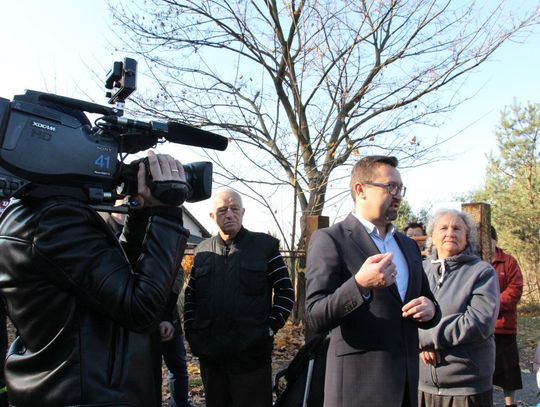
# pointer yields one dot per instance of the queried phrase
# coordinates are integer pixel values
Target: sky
(64, 47)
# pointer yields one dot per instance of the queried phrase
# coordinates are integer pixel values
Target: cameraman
(83, 302)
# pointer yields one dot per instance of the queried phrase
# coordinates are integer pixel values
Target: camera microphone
(184, 134)
(174, 132)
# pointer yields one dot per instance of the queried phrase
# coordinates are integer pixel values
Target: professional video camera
(48, 147)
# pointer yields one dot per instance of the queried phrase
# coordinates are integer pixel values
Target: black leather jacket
(81, 309)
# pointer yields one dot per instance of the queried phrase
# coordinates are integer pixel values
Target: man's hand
(430, 357)
(166, 331)
(163, 167)
(421, 309)
(378, 271)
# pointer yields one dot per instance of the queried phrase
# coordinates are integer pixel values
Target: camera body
(45, 146)
(48, 146)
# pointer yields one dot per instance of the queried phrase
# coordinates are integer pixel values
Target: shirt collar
(372, 229)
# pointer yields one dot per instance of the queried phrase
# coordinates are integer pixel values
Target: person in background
(239, 295)
(507, 371)
(3, 334)
(365, 284)
(458, 354)
(414, 230)
(173, 348)
(536, 365)
(3, 348)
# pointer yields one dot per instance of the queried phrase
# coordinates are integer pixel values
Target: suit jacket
(373, 353)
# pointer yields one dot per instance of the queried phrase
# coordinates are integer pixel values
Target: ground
(287, 341)
(290, 339)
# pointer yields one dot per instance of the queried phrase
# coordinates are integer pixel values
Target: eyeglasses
(392, 188)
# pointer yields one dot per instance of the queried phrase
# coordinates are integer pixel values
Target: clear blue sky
(54, 45)
(512, 74)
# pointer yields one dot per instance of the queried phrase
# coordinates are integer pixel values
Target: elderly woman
(458, 354)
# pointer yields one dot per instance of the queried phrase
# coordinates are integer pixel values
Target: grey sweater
(467, 290)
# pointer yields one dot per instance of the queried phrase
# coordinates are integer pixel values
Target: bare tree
(305, 87)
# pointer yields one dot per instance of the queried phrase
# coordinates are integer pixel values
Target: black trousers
(224, 387)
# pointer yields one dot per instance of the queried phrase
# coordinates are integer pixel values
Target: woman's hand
(430, 357)
(421, 309)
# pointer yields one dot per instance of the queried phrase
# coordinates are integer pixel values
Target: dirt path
(526, 397)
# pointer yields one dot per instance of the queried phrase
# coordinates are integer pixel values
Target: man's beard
(390, 214)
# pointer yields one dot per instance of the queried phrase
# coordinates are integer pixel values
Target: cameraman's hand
(163, 167)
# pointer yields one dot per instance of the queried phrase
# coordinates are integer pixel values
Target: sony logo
(44, 126)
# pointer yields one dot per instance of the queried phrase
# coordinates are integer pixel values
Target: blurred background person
(415, 230)
(173, 348)
(536, 365)
(3, 348)
(3, 334)
(507, 371)
(458, 354)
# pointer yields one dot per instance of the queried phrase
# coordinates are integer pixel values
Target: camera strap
(37, 191)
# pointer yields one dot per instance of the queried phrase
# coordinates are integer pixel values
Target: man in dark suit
(366, 284)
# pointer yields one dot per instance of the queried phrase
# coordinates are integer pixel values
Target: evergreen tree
(512, 188)
(405, 215)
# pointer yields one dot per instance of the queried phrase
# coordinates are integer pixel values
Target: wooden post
(481, 214)
(313, 223)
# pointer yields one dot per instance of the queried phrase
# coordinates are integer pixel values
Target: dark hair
(414, 225)
(364, 168)
(493, 233)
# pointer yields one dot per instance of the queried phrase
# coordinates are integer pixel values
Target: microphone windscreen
(183, 134)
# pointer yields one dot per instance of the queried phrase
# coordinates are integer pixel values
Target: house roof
(194, 239)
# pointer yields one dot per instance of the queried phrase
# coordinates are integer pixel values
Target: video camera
(48, 147)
